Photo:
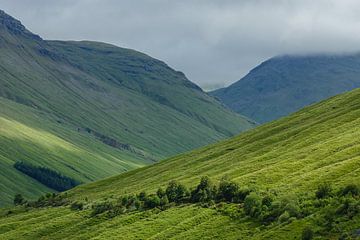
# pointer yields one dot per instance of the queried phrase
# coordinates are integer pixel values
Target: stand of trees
(265, 208)
(46, 176)
(327, 206)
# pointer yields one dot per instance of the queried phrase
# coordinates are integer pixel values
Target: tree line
(46, 176)
(329, 206)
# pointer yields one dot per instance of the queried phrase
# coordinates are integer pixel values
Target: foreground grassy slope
(91, 110)
(290, 156)
(190, 222)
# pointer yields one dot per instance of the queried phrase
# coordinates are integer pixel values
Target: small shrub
(115, 211)
(324, 190)
(345, 236)
(329, 218)
(124, 200)
(161, 193)
(131, 202)
(50, 200)
(164, 201)
(204, 192)
(284, 217)
(77, 206)
(350, 189)
(290, 204)
(101, 208)
(142, 196)
(177, 192)
(241, 195)
(152, 201)
(293, 209)
(252, 205)
(19, 200)
(267, 201)
(307, 233)
(138, 204)
(349, 207)
(227, 191)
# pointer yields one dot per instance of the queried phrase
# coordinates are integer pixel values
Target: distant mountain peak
(14, 26)
(284, 84)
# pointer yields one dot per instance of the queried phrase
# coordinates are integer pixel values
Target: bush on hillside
(252, 205)
(227, 191)
(19, 200)
(50, 200)
(101, 207)
(284, 217)
(241, 194)
(324, 190)
(307, 233)
(164, 201)
(142, 196)
(349, 207)
(177, 192)
(204, 192)
(329, 218)
(267, 201)
(351, 189)
(151, 201)
(77, 206)
(161, 193)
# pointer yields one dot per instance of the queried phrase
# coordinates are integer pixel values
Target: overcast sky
(212, 42)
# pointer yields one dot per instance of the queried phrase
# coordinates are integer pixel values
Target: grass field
(291, 156)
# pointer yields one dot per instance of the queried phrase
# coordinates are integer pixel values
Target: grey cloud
(213, 42)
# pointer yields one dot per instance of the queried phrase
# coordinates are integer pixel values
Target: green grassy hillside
(91, 110)
(319, 143)
(285, 84)
(44, 142)
(288, 157)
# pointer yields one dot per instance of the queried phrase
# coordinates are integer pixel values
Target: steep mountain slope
(90, 110)
(292, 155)
(31, 136)
(285, 84)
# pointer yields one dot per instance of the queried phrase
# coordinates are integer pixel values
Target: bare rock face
(15, 27)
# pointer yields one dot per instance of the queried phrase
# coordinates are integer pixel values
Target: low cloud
(212, 42)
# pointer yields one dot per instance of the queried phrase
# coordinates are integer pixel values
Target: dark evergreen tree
(152, 201)
(176, 192)
(324, 190)
(204, 192)
(19, 199)
(227, 191)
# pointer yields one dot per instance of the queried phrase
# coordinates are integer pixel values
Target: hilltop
(284, 84)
